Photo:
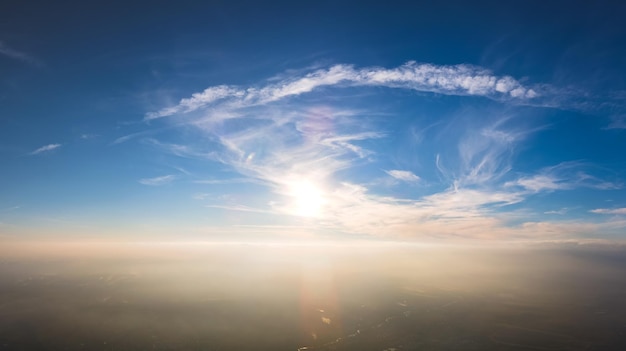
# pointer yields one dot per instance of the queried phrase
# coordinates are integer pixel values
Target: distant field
(247, 297)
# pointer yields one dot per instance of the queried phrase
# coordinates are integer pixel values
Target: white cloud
(240, 208)
(180, 150)
(485, 152)
(563, 176)
(280, 147)
(405, 176)
(614, 211)
(45, 148)
(86, 136)
(131, 136)
(453, 80)
(226, 181)
(452, 214)
(541, 182)
(277, 145)
(198, 100)
(449, 80)
(157, 181)
(558, 212)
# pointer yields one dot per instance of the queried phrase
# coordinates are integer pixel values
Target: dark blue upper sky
(498, 120)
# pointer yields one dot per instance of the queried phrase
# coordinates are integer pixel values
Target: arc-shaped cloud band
(450, 80)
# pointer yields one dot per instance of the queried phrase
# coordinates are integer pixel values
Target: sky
(452, 122)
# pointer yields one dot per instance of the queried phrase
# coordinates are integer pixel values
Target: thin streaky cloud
(268, 226)
(10, 209)
(563, 176)
(617, 122)
(405, 176)
(541, 182)
(182, 170)
(18, 55)
(128, 137)
(226, 181)
(179, 150)
(86, 136)
(45, 148)
(241, 208)
(558, 212)
(448, 80)
(613, 211)
(157, 181)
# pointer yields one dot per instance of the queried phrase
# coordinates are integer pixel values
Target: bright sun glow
(308, 199)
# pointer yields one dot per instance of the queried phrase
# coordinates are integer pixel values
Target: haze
(321, 296)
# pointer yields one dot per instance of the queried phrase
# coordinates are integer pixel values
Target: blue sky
(495, 121)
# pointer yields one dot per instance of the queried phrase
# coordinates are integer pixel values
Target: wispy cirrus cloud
(561, 211)
(613, 211)
(226, 181)
(563, 176)
(158, 181)
(405, 176)
(241, 208)
(8, 209)
(45, 148)
(473, 206)
(449, 80)
(86, 136)
(18, 55)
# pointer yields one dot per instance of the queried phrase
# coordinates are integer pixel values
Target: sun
(308, 199)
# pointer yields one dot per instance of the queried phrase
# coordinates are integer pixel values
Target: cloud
(448, 215)
(448, 80)
(86, 136)
(541, 182)
(135, 135)
(198, 100)
(614, 211)
(182, 150)
(617, 122)
(157, 181)
(280, 143)
(563, 176)
(240, 208)
(558, 212)
(405, 176)
(18, 55)
(485, 153)
(8, 209)
(45, 148)
(226, 181)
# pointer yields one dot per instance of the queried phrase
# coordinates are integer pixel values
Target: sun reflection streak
(319, 301)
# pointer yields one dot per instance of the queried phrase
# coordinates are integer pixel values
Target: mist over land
(220, 296)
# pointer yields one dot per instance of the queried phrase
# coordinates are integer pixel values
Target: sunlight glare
(308, 199)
